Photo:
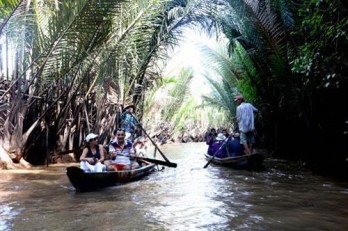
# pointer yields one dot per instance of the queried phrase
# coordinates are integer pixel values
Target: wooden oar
(222, 145)
(155, 161)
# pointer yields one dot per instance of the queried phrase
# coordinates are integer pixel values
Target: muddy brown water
(189, 197)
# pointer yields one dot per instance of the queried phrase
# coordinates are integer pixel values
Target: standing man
(245, 119)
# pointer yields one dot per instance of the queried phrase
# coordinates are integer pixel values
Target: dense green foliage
(74, 64)
(321, 38)
(290, 59)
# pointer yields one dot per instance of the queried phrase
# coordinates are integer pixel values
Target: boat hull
(87, 181)
(253, 161)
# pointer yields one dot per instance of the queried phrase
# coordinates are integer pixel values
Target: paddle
(222, 145)
(155, 161)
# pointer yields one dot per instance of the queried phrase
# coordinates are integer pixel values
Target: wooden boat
(253, 161)
(88, 181)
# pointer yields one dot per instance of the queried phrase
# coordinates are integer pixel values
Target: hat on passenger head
(238, 97)
(220, 136)
(90, 136)
(129, 106)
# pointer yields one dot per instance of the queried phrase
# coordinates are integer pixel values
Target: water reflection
(189, 197)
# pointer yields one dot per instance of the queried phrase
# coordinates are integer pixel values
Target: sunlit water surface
(189, 197)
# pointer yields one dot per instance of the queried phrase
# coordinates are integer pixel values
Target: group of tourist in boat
(122, 150)
(241, 141)
(222, 146)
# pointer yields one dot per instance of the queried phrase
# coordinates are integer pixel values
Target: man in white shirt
(245, 119)
(121, 151)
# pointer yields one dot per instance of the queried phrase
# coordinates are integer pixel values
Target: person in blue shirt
(234, 147)
(128, 122)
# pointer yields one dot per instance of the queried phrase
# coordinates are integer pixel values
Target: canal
(281, 197)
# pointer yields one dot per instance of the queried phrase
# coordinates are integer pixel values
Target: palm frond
(10, 10)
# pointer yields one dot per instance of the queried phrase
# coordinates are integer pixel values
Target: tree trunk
(5, 160)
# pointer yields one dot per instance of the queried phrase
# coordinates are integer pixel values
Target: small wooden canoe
(253, 161)
(88, 181)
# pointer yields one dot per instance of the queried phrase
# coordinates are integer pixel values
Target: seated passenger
(211, 136)
(120, 151)
(92, 156)
(217, 148)
(224, 131)
(234, 147)
(140, 146)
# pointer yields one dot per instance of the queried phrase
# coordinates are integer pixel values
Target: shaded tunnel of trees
(76, 64)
